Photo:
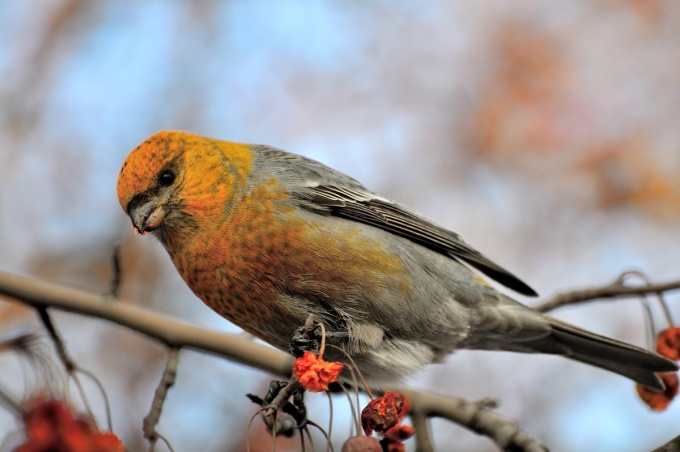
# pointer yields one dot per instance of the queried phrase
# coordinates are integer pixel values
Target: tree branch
(167, 381)
(616, 289)
(176, 335)
(671, 446)
(171, 332)
(477, 417)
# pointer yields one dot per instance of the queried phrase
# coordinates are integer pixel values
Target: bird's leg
(307, 338)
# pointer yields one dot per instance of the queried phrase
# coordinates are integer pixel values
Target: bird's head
(176, 178)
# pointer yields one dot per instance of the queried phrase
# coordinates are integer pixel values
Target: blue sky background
(546, 133)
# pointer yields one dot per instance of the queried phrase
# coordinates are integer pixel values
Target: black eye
(166, 178)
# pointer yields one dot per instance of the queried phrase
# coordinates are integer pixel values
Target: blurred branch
(10, 404)
(59, 345)
(671, 446)
(419, 419)
(616, 289)
(117, 271)
(67, 361)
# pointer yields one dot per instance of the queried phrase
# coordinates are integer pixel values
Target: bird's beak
(147, 216)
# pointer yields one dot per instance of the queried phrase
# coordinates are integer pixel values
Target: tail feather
(638, 364)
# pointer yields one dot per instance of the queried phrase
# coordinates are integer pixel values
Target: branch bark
(477, 417)
(611, 291)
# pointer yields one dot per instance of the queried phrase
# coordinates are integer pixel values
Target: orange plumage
(265, 238)
(239, 245)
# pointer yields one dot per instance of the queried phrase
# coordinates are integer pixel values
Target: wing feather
(368, 208)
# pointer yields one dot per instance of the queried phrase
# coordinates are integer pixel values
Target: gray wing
(327, 192)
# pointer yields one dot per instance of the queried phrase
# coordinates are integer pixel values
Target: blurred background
(546, 133)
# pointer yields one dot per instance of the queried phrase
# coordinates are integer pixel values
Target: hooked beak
(147, 216)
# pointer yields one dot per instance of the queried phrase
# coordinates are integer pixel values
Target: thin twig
(10, 404)
(73, 375)
(309, 437)
(613, 290)
(302, 442)
(166, 382)
(330, 419)
(648, 282)
(24, 343)
(250, 423)
(322, 347)
(651, 326)
(165, 441)
(67, 361)
(59, 345)
(324, 433)
(474, 416)
(355, 419)
(274, 433)
(105, 396)
(354, 365)
(117, 272)
(40, 363)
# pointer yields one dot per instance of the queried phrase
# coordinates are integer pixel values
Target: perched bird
(265, 238)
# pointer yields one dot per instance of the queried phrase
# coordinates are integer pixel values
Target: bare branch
(10, 404)
(671, 446)
(117, 272)
(614, 290)
(422, 428)
(167, 381)
(476, 417)
(69, 364)
(59, 345)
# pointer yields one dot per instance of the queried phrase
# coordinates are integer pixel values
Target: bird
(266, 238)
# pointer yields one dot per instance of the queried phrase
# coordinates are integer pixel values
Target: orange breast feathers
(265, 248)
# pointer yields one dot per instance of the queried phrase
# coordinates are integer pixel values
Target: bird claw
(294, 412)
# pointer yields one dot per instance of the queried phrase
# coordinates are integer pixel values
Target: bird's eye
(166, 178)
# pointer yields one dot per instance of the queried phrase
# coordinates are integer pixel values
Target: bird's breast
(268, 264)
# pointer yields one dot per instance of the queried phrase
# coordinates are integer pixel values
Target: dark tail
(624, 359)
